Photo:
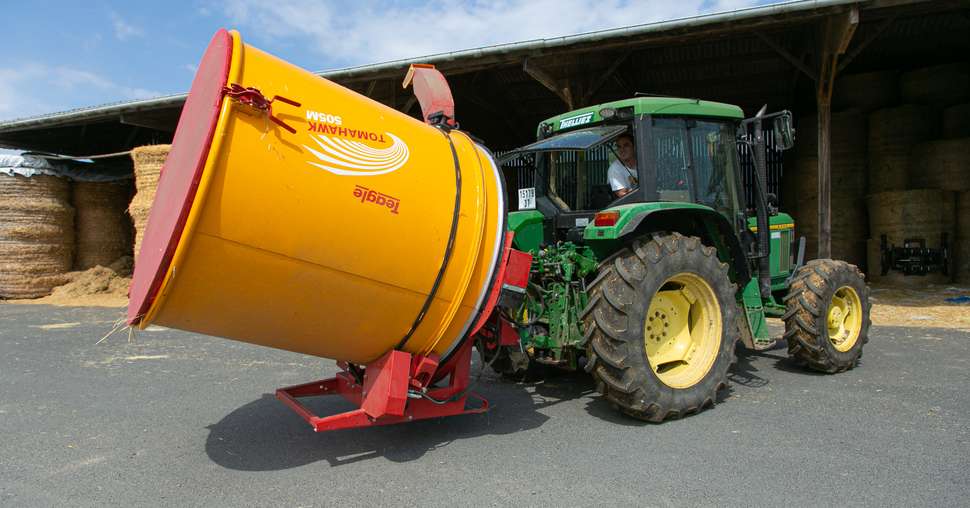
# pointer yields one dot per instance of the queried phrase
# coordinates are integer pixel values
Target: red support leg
(391, 391)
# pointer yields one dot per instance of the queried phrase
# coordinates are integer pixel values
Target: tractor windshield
(574, 166)
(578, 180)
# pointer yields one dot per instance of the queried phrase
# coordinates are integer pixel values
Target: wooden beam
(487, 105)
(164, 120)
(864, 43)
(406, 108)
(602, 78)
(370, 88)
(545, 79)
(797, 62)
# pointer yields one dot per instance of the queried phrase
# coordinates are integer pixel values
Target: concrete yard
(173, 418)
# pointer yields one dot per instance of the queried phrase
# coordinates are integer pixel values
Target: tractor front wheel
(827, 317)
(661, 327)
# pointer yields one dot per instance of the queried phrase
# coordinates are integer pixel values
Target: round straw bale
(941, 164)
(956, 121)
(36, 235)
(962, 247)
(925, 214)
(102, 223)
(848, 223)
(867, 91)
(848, 136)
(149, 161)
(893, 133)
(938, 85)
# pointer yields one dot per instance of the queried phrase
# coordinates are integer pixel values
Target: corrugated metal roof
(499, 52)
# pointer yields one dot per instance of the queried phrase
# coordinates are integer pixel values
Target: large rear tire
(661, 327)
(827, 316)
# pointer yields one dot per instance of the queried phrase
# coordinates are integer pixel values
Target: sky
(63, 55)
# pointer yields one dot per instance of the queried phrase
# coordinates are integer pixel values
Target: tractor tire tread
(609, 320)
(806, 330)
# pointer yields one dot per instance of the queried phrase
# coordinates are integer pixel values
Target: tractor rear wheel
(827, 317)
(660, 327)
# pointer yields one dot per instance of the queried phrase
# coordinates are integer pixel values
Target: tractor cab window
(714, 153)
(696, 162)
(670, 157)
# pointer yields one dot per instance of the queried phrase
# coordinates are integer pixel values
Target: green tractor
(648, 267)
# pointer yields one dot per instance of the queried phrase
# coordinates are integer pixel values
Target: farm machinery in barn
(296, 214)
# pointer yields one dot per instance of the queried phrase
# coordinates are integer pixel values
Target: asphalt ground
(179, 419)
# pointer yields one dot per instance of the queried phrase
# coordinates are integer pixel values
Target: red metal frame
(383, 397)
(496, 286)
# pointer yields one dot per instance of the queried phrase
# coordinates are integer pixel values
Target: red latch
(255, 99)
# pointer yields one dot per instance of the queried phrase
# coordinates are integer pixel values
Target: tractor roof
(647, 106)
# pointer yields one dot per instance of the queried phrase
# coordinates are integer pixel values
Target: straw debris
(99, 286)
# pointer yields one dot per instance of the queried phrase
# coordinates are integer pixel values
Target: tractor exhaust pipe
(764, 232)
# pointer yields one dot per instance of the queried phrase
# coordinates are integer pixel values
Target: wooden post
(824, 177)
(834, 35)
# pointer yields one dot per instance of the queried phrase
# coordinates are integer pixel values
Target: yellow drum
(322, 222)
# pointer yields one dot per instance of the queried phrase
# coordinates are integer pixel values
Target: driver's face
(624, 148)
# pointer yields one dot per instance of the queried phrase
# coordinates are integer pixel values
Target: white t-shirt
(620, 176)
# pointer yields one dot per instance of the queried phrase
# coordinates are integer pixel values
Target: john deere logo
(574, 121)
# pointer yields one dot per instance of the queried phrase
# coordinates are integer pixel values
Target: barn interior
(880, 92)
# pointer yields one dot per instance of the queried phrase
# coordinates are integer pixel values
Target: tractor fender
(705, 223)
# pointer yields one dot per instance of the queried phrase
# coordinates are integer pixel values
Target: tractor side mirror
(784, 132)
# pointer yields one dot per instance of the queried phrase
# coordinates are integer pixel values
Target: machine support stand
(397, 387)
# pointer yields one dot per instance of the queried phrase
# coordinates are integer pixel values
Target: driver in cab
(622, 173)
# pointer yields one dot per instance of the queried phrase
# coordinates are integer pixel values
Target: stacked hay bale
(893, 132)
(962, 244)
(956, 121)
(925, 214)
(866, 92)
(36, 234)
(848, 189)
(148, 167)
(943, 164)
(102, 224)
(938, 85)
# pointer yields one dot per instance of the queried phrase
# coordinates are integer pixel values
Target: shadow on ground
(265, 435)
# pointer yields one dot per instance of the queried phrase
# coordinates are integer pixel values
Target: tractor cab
(684, 151)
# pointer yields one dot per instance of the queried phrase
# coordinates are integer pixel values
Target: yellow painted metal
(775, 227)
(844, 318)
(682, 330)
(327, 241)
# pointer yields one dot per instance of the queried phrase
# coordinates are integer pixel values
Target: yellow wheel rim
(844, 318)
(682, 330)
